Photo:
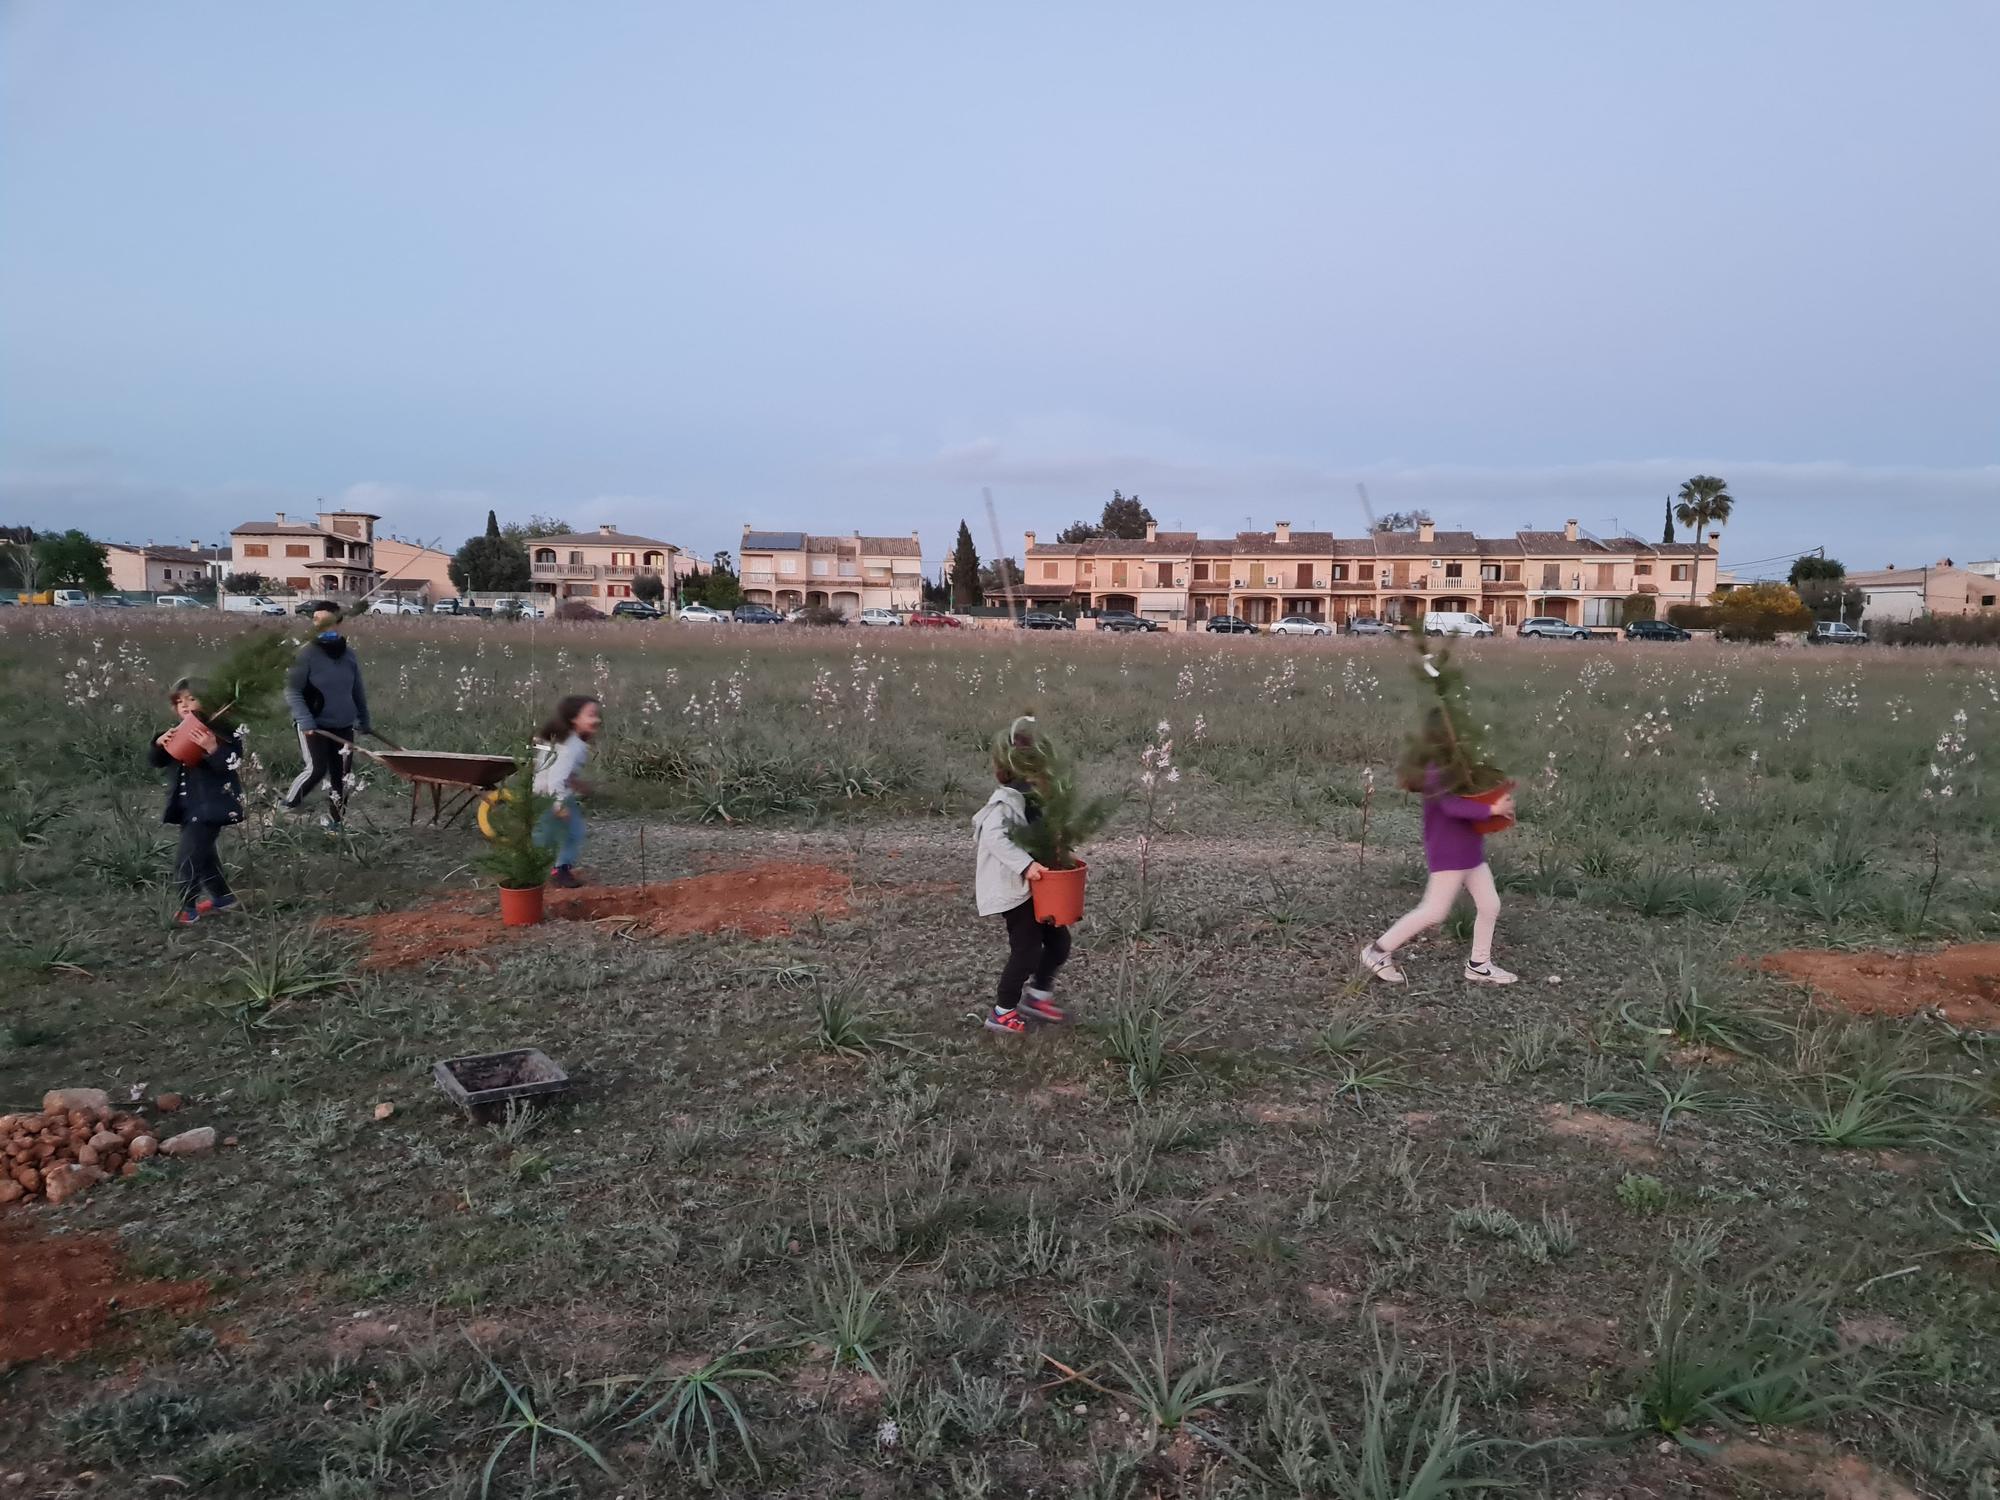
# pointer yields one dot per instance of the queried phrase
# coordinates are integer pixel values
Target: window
(822, 566)
(1048, 570)
(1680, 573)
(1165, 577)
(1118, 575)
(1089, 567)
(1642, 570)
(297, 549)
(1201, 572)
(256, 549)
(1305, 577)
(1453, 570)
(1366, 573)
(1489, 572)
(618, 590)
(334, 549)
(545, 555)
(166, 573)
(656, 559)
(298, 583)
(576, 559)
(1986, 600)
(1340, 572)
(624, 559)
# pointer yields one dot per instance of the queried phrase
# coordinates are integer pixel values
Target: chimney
(606, 528)
(1569, 531)
(1427, 531)
(1152, 531)
(1283, 531)
(1031, 539)
(281, 518)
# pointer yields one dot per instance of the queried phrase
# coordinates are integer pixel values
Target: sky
(681, 267)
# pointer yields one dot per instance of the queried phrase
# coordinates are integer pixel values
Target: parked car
(880, 617)
(518, 609)
(113, 601)
(1369, 625)
(251, 604)
(1835, 633)
(394, 607)
(701, 614)
(1123, 620)
(936, 619)
(1655, 630)
(1549, 628)
(451, 607)
(1301, 625)
(175, 601)
(634, 609)
(756, 614)
(1230, 625)
(1455, 622)
(1036, 619)
(314, 606)
(70, 599)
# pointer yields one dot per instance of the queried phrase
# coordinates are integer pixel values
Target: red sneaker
(1007, 1022)
(1044, 1008)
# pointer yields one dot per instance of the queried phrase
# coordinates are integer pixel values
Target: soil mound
(761, 900)
(60, 1295)
(1961, 982)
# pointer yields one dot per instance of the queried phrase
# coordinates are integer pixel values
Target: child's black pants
(1035, 950)
(198, 867)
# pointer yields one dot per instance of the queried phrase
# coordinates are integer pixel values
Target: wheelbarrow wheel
(491, 800)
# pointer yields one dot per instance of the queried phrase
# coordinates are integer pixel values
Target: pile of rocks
(77, 1141)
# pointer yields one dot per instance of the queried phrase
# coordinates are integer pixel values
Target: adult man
(330, 707)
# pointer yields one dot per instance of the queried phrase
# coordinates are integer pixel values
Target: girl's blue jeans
(564, 835)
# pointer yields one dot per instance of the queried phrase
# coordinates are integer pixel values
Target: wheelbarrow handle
(384, 739)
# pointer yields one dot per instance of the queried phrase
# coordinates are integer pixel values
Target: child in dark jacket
(1455, 851)
(202, 800)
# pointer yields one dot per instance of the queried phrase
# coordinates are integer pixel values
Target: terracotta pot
(1059, 896)
(190, 741)
(520, 908)
(1489, 797)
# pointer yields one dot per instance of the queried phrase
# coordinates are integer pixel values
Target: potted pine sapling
(246, 687)
(512, 857)
(1062, 819)
(1445, 754)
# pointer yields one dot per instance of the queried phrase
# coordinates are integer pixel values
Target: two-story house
(1265, 575)
(332, 557)
(599, 567)
(157, 570)
(794, 569)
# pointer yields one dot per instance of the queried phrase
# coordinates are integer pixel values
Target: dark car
(756, 614)
(314, 606)
(1230, 625)
(634, 609)
(1035, 619)
(936, 619)
(1655, 630)
(115, 601)
(1123, 619)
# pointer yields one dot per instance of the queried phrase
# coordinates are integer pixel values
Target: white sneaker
(1488, 973)
(1381, 965)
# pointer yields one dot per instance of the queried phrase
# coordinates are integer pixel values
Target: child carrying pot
(561, 749)
(1003, 872)
(203, 799)
(1455, 851)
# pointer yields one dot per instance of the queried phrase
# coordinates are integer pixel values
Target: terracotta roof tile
(891, 546)
(595, 539)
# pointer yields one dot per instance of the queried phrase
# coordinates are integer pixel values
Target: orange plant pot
(520, 908)
(1493, 825)
(190, 741)
(1059, 896)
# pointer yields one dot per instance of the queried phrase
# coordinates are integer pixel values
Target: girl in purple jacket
(1455, 850)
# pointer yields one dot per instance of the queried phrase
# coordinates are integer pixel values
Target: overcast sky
(841, 266)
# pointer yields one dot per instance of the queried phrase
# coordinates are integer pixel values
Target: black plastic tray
(492, 1080)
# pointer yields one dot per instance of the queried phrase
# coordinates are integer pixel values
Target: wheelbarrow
(454, 780)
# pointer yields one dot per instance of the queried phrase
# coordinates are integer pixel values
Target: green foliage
(1694, 616)
(1069, 818)
(68, 560)
(965, 593)
(1942, 630)
(1640, 607)
(490, 565)
(694, 1408)
(248, 685)
(1704, 502)
(1761, 612)
(1813, 568)
(1448, 738)
(246, 583)
(518, 1418)
(1642, 1194)
(512, 857)
(649, 586)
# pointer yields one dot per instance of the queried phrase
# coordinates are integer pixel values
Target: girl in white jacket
(561, 750)
(1001, 876)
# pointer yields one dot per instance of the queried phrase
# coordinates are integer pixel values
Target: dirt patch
(1814, 1470)
(62, 1295)
(761, 900)
(1628, 1138)
(1961, 982)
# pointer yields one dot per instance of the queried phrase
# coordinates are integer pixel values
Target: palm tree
(1704, 501)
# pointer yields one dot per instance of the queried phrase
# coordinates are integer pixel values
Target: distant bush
(1761, 612)
(1694, 616)
(1641, 607)
(576, 609)
(1941, 630)
(819, 614)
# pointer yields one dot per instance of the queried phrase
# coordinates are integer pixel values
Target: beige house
(1263, 576)
(1943, 588)
(598, 567)
(413, 571)
(157, 570)
(333, 556)
(793, 569)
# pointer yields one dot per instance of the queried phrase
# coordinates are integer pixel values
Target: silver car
(1300, 625)
(1549, 628)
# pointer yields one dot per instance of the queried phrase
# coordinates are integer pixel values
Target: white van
(70, 599)
(176, 601)
(1455, 622)
(251, 604)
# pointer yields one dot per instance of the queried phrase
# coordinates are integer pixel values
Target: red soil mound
(1962, 982)
(763, 900)
(59, 1294)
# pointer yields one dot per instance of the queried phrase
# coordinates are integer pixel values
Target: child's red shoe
(186, 917)
(1044, 1008)
(1007, 1022)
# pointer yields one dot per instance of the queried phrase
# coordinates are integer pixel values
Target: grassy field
(1653, 1222)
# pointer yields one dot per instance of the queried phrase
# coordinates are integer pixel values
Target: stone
(196, 1142)
(384, 1110)
(143, 1146)
(62, 1101)
(107, 1140)
(66, 1182)
(11, 1190)
(130, 1169)
(28, 1178)
(166, 1104)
